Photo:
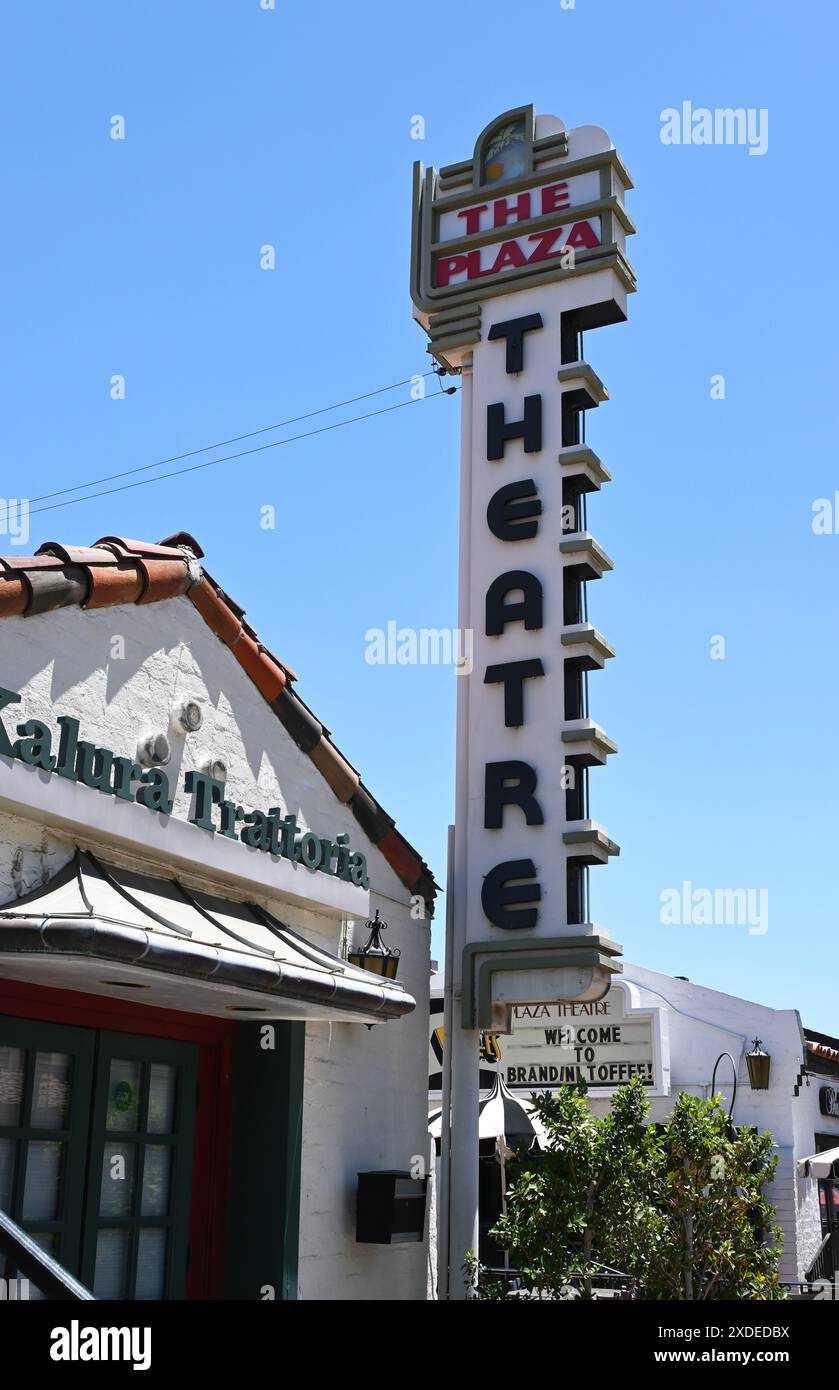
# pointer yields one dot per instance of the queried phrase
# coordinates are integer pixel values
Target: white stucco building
(186, 860)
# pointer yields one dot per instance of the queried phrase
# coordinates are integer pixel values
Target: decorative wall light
(153, 750)
(188, 715)
(758, 1063)
(375, 956)
(215, 768)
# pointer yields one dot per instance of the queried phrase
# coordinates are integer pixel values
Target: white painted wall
(365, 1090)
(365, 1109)
(808, 1121)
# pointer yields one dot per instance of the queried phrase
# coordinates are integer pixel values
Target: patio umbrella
(820, 1165)
(502, 1115)
(505, 1119)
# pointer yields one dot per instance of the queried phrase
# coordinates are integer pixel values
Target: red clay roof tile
(401, 858)
(146, 549)
(115, 583)
(33, 562)
(14, 596)
(266, 675)
(215, 612)
(164, 579)
(66, 587)
(183, 538)
(76, 554)
(330, 764)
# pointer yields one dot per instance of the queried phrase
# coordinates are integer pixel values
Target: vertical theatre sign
(517, 253)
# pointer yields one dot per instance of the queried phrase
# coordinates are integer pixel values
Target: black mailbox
(391, 1208)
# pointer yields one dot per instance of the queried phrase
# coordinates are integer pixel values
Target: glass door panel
(12, 1070)
(109, 1275)
(151, 1264)
(46, 1073)
(141, 1148)
(51, 1090)
(96, 1137)
(43, 1183)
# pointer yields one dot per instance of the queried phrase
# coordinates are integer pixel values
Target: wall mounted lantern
(375, 956)
(758, 1063)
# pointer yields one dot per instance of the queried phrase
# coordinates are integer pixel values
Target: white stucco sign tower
(517, 253)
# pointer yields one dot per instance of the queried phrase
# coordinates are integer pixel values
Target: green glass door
(46, 1075)
(136, 1227)
(96, 1146)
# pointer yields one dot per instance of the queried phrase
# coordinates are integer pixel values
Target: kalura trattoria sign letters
(516, 253)
(212, 810)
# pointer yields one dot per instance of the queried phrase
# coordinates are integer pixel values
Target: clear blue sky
(292, 127)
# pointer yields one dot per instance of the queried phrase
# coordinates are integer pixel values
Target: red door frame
(214, 1037)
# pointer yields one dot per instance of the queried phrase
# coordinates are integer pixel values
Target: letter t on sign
(513, 330)
(208, 792)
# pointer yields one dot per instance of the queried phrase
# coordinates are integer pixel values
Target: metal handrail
(51, 1278)
(817, 1267)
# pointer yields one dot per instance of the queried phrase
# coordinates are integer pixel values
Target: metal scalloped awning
(820, 1165)
(214, 956)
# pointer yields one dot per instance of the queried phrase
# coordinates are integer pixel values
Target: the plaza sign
(528, 207)
(476, 257)
(78, 760)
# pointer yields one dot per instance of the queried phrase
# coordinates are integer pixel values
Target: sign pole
(464, 1165)
(465, 1042)
(444, 1204)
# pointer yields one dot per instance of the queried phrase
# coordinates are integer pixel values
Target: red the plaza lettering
(502, 212)
(511, 254)
(582, 234)
(545, 242)
(554, 197)
(517, 209)
(447, 266)
(472, 218)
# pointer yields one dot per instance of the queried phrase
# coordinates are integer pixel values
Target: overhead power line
(235, 439)
(228, 458)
